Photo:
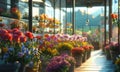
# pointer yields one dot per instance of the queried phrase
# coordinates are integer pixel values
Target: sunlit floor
(97, 63)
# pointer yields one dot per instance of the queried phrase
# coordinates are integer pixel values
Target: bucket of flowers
(64, 48)
(60, 63)
(77, 53)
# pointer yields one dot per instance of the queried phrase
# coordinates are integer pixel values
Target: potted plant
(58, 64)
(77, 53)
(64, 47)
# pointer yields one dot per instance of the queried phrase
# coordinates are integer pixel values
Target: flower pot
(108, 54)
(88, 54)
(84, 57)
(78, 59)
(35, 68)
(9, 67)
(22, 68)
(43, 66)
(71, 68)
(114, 54)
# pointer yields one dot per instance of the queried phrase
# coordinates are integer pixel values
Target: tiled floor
(97, 63)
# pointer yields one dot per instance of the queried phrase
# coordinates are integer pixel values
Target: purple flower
(57, 63)
(10, 49)
(20, 54)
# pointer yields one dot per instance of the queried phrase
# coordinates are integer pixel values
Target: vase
(78, 59)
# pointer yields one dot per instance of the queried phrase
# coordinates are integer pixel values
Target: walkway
(97, 63)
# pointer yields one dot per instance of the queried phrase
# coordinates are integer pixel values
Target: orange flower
(42, 24)
(46, 35)
(4, 50)
(114, 16)
(77, 51)
(43, 16)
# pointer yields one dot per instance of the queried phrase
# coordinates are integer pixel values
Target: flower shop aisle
(97, 63)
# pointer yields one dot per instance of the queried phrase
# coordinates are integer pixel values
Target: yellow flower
(54, 51)
(117, 61)
(84, 43)
(4, 50)
(43, 49)
(49, 49)
(64, 46)
(47, 43)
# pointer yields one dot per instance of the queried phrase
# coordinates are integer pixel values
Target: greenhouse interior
(59, 36)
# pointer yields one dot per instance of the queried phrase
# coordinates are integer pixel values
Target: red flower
(86, 48)
(3, 31)
(77, 51)
(23, 39)
(7, 36)
(16, 38)
(9, 31)
(14, 10)
(19, 33)
(38, 37)
(29, 35)
(91, 47)
(53, 37)
(2, 24)
(14, 30)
